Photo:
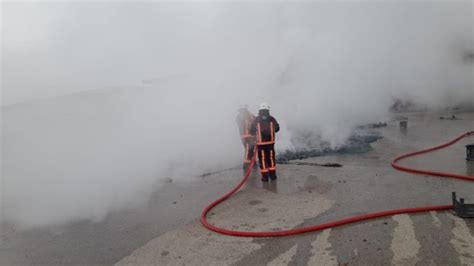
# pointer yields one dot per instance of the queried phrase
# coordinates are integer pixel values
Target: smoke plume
(102, 100)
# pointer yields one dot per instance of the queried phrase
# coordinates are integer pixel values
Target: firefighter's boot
(273, 175)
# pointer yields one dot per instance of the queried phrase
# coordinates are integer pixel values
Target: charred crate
(470, 152)
(462, 209)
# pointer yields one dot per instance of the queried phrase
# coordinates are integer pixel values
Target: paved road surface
(166, 230)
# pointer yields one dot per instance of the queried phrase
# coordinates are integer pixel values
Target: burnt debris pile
(356, 144)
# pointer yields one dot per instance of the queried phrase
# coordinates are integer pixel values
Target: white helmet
(264, 106)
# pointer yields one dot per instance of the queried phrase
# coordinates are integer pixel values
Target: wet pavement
(167, 232)
(307, 195)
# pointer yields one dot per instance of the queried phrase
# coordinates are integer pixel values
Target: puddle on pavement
(310, 184)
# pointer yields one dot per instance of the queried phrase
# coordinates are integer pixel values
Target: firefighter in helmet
(244, 120)
(264, 128)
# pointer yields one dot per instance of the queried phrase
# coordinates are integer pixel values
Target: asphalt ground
(166, 231)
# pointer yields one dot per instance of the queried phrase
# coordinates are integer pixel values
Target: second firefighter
(244, 120)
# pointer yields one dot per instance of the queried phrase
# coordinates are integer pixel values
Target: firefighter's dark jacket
(264, 128)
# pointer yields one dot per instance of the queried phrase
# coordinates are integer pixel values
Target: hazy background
(102, 100)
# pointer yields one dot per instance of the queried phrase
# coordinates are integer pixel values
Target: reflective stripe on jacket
(244, 121)
(265, 127)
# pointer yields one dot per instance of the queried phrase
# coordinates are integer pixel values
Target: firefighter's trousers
(266, 159)
(248, 151)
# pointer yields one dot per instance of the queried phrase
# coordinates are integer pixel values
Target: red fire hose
(346, 220)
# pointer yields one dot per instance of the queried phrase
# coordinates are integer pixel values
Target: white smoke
(102, 100)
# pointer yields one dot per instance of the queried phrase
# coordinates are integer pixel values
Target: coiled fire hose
(349, 220)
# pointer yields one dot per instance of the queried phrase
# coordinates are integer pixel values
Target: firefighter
(264, 128)
(244, 120)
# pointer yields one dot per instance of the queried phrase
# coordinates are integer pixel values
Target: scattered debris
(405, 105)
(373, 125)
(400, 118)
(315, 164)
(168, 180)
(404, 124)
(453, 117)
(462, 209)
(220, 171)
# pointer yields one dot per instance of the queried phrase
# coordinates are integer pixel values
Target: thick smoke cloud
(103, 100)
